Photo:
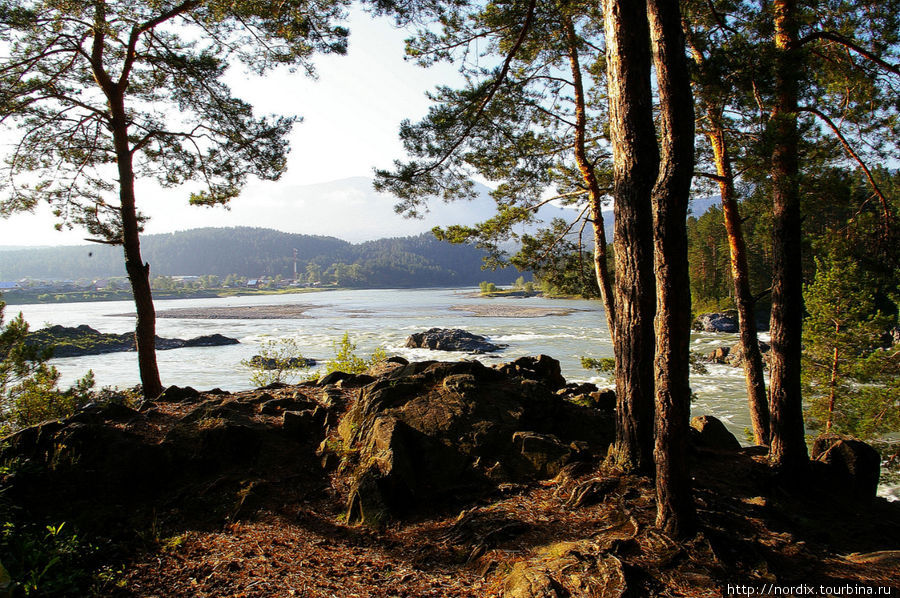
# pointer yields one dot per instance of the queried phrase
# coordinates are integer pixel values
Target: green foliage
(607, 365)
(844, 357)
(603, 365)
(514, 124)
(44, 561)
(38, 559)
(346, 359)
(282, 361)
(29, 392)
(279, 360)
(487, 288)
(183, 124)
(559, 265)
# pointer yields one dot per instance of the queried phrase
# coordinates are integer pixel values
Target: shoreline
(20, 298)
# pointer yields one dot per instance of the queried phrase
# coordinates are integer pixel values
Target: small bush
(487, 287)
(29, 392)
(278, 360)
(346, 360)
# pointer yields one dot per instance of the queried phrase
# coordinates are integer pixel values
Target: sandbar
(512, 311)
(243, 312)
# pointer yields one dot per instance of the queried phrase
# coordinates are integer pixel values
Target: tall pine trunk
(138, 271)
(743, 297)
(635, 164)
(675, 512)
(601, 268)
(788, 447)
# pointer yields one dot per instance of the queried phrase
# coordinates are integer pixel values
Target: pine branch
(852, 45)
(831, 125)
(501, 77)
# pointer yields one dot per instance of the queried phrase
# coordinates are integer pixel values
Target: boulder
(719, 355)
(344, 379)
(451, 339)
(853, 466)
(710, 433)
(176, 394)
(604, 399)
(735, 355)
(717, 322)
(210, 340)
(437, 432)
(542, 369)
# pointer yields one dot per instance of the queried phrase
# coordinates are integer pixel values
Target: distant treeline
(255, 252)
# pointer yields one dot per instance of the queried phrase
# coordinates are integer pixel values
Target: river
(379, 318)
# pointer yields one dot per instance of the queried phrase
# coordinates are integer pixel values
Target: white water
(378, 318)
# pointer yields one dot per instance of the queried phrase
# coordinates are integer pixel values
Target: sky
(351, 116)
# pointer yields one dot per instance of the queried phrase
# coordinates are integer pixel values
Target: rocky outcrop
(451, 339)
(84, 340)
(734, 355)
(433, 432)
(716, 322)
(853, 467)
(540, 369)
(727, 322)
(415, 436)
(270, 363)
(176, 445)
(709, 432)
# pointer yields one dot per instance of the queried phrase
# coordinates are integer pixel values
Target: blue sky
(351, 116)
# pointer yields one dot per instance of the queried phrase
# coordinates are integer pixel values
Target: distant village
(38, 288)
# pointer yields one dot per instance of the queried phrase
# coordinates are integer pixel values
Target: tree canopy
(67, 63)
(106, 92)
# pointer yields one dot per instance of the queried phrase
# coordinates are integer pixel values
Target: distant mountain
(254, 252)
(321, 220)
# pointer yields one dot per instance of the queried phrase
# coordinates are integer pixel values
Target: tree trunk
(832, 385)
(590, 180)
(138, 271)
(635, 164)
(675, 512)
(743, 297)
(788, 450)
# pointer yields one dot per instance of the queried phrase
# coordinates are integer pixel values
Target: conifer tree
(103, 93)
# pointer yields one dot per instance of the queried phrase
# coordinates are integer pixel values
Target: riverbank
(20, 297)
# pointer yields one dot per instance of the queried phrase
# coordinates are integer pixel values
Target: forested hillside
(254, 252)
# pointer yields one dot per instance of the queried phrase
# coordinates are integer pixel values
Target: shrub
(29, 392)
(279, 360)
(346, 360)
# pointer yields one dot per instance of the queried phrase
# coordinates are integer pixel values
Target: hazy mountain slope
(252, 252)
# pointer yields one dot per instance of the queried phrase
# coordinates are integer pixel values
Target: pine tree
(851, 380)
(105, 92)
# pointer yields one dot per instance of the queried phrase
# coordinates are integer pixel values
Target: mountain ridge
(253, 252)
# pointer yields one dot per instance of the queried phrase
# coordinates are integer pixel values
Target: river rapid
(379, 318)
